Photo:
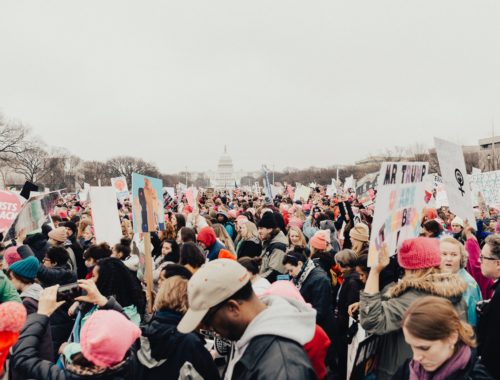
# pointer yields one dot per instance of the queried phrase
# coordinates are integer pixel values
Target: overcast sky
(289, 83)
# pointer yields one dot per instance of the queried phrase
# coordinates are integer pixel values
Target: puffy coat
(382, 315)
(164, 350)
(7, 290)
(473, 371)
(26, 358)
(213, 251)
(272, 257)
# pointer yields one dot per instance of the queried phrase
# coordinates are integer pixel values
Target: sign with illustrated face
(147, 204)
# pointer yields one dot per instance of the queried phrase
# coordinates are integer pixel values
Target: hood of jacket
(276, 319)
(279, 238)
(32, 291)
(450, 286)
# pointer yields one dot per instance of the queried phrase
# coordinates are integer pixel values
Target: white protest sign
(488, 184)
(398, 207)
(302, 192)
(105, 215)
(120, 186)
(455, 179)
(349, 183)
(171, 191)
(331, 190)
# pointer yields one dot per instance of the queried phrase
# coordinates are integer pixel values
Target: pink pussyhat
(285, 289)
(106, 337)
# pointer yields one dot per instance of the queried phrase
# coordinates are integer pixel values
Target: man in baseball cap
(266, 332)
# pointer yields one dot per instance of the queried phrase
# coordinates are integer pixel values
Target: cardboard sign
(488, 184)
(455, 179)
(147, 204)
(105, 215)
(34, 213)
(398, 207)
(120, 186)
(10, 206)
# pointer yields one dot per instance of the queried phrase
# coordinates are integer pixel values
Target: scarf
(453, 365)
(304, 272)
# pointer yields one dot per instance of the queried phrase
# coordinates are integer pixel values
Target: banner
(302, 193)
(147, 204)
(488, 184)
(10, 206)
(105, 215)
(398, 207)
(34, 213)
(455, 179)
(120, 186)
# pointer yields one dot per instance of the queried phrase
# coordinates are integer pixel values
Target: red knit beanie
(319, 241)
(419, 253)
(206, 236)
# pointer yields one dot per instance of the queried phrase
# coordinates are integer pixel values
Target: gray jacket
(272, 257)
(382, 314)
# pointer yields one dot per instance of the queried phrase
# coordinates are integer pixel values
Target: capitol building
(225, 176)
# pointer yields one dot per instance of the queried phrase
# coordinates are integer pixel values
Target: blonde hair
(251, 231)
(464, 256)
(172, 295)
(303, 242)
(223, 236)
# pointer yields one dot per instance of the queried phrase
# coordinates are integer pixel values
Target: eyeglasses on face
(481, 257)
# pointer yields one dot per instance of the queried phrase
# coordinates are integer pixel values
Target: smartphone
(69, 292)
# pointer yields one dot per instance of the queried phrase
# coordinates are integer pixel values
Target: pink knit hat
(295, 222)
(319, 241)
(106, 337)
(12, 316)
(419, 253)
(11, 255)
(285, 289)
(232, 214)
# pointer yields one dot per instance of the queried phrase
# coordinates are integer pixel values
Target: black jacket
(317, 291)
(61, 275)
(473, 371)
(26, 357)
(488, 333)
(249, 248)
(165, 350)
(347, 295)
(38, 244)
(271, 357)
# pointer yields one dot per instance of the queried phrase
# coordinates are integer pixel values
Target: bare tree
(31, 163)
(12, 137)
(126, 165)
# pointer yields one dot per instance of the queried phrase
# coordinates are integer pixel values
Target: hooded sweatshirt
(276, 319)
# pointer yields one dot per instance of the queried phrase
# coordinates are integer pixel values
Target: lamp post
(489, 161)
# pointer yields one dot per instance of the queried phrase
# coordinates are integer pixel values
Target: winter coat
(317, 291)
(471, 296)
(268, 343)
(474, 268)
(164, 350)
(308, 229)
(7, 290)
(473, 371)
(30, 297)
(38, 244)
(488, 333)
(272, 255)
(316, 351)
(249, 248)
(61, 275)
(81, 269)
(26, 357)
(382, 315)
(213, 251)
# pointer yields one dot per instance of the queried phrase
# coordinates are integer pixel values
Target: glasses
(481, 257)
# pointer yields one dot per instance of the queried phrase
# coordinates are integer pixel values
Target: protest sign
(302, 193)
(349, 183)
(192, 197)
(147, 204)
(488, 184)
(399, 206)
(10, 206)
(28, 189)
(34, 213)
(105, 215)
(331, 190)
(120, 186)
(455, 179)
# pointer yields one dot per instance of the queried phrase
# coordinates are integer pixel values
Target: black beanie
(267, 221)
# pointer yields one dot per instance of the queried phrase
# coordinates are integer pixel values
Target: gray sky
(290, 83)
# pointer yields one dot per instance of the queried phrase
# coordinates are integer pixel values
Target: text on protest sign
(398, 206)
(10, 205)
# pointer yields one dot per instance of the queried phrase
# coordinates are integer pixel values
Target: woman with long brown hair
(442, 344)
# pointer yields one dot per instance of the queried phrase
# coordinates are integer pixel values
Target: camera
(69, 292)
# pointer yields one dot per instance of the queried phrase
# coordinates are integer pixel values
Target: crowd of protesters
(245, 287)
